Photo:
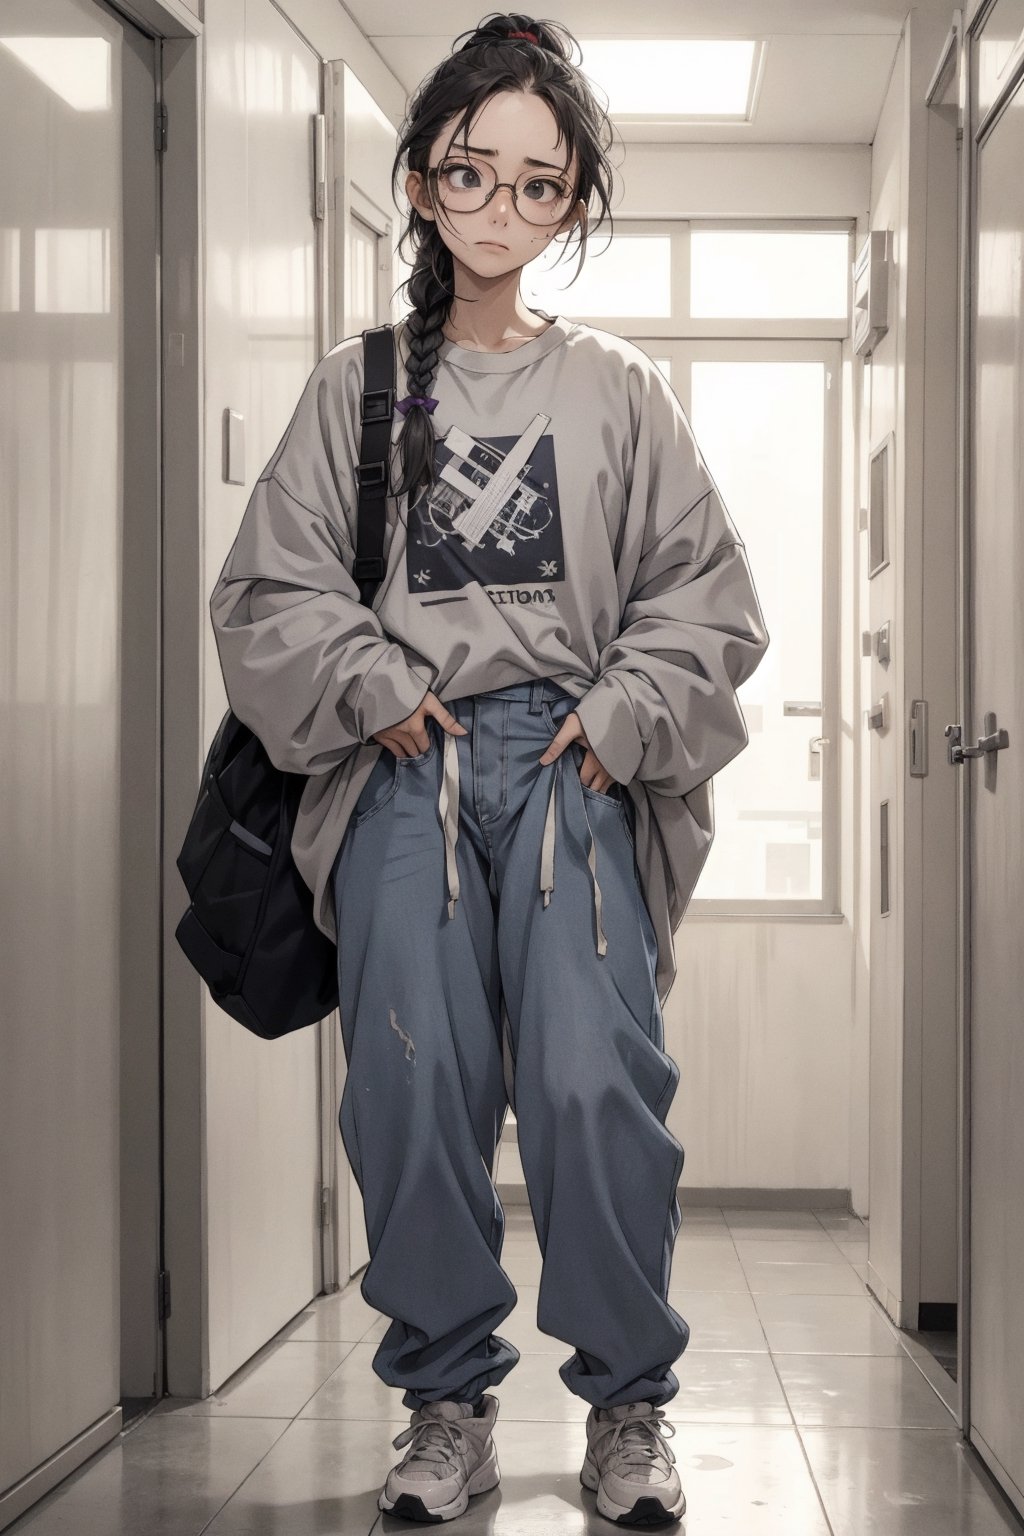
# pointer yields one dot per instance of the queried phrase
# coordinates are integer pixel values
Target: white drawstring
(448, 805)
(602, 942)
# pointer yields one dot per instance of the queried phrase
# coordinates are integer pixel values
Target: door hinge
(163, 1291)
(919, 738)
(160, 127)
(325, 1206)
(319, 165)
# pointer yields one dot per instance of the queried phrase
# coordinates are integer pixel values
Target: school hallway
(815, 255)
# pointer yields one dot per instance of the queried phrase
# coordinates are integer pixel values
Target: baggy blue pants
(435, 1011)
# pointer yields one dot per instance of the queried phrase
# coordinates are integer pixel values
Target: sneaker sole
(409, 1506)
(647, 1512)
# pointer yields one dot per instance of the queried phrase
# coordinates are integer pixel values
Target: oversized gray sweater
(574, 532)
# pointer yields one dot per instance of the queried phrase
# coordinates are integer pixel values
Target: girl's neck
(494, 317)
(506, 341)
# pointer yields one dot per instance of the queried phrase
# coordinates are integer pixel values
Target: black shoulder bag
(249, 929)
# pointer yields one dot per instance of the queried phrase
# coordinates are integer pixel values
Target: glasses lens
(464, 185)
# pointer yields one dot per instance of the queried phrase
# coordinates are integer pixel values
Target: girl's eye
(541, 190)
(453, 172)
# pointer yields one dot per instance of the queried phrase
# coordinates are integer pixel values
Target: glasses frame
(434, 171)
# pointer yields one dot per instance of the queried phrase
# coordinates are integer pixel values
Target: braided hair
(508, 51)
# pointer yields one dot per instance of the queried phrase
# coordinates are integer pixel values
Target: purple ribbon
(406, 405)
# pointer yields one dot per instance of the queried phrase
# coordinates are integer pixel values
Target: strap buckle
(373, 477)
(368, 568)
(378, 405)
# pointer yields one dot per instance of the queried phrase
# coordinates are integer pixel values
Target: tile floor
(801, 1412)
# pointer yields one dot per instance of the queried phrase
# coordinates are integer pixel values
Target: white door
(994, 703)
(78, 704)
(263, 1174)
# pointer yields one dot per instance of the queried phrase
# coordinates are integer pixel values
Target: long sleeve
(664, 708)
(306, 665)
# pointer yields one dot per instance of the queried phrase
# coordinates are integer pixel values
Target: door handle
(817, 742)
(995, 741)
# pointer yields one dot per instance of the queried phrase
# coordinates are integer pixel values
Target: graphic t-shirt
(573, 532)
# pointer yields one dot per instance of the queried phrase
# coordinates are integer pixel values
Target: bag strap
(372, 471)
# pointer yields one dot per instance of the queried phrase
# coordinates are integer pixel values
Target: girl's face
(512, 129)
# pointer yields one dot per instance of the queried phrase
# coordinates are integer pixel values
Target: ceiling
(826, 70)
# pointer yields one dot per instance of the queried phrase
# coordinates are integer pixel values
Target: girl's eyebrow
(526, 159)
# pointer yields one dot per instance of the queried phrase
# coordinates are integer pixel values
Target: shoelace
(641, 1439)
(435, 1440)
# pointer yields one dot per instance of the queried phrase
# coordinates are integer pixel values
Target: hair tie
(406, 405)
(531, 35)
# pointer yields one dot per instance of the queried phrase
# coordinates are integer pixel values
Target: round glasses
(464, 186)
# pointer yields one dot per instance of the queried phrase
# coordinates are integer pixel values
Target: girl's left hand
(592, 771)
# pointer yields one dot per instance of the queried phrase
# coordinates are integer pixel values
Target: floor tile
(728, 1387)
(860, 1391)
(803, 1250)
(916, 1481)
(791, 1277)
(341, 1317)
(707, 1267)
(830, 1325)
(719, 1319)
(780, 1225)
(167, 1476)
(321, 1478)
(275, 1385)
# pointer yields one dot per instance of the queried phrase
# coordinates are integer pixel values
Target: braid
(430, 294)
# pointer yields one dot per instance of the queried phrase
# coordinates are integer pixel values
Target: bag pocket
(228, 898)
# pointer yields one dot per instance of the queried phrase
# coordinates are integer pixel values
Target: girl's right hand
(408, 738)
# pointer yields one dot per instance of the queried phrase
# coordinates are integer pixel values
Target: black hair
(486, 63)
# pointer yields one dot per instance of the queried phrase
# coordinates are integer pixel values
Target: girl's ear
(414, 191)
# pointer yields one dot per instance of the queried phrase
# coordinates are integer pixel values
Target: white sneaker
(451, 1457)
(629, 1466)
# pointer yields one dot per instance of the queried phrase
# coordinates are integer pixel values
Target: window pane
(630, 275)
(769, 274)
(760, 426)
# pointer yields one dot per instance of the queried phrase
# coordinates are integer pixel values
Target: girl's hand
(409, 737)
(592, 771)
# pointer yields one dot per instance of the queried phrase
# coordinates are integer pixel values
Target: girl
(545, 684)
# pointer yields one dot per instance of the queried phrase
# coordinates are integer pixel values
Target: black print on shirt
(492, 517)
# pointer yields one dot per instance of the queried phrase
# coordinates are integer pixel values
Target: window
(760, 274)
(751, 341)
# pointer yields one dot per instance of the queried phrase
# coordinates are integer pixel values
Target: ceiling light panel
(674, 77)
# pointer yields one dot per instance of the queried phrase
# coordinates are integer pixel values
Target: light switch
(234, 447)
